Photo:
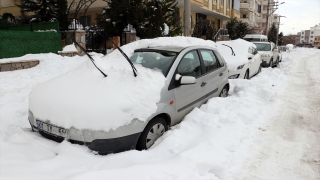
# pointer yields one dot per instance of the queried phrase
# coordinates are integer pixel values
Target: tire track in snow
(289, 149)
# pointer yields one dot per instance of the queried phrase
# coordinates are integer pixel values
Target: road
(288, 147)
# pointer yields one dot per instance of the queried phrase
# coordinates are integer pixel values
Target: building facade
(8, 6)
(250, 12)
(219, 12)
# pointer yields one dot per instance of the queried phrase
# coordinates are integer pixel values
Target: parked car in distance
(192, 75)
(242, 58)
(269, 53)
(255, 38)
(282, 48)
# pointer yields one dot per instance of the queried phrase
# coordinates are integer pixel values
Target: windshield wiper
(92, 60)
(231, 49)
(124, 54)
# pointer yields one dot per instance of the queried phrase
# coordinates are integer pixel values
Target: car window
(220, 59)
(210, 61)
(190, 65)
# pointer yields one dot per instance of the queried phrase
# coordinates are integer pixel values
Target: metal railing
(221, 32)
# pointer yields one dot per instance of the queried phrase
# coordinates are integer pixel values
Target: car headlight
(240, 67)
(235, 76)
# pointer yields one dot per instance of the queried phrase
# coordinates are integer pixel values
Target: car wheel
(259, 71)
(246, 76)
(271, 63)
(224, 91)
(155, 129)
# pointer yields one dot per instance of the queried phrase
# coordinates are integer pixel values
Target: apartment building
(305, 35)
(217, 11)
(314, 32)
(8, 6)
(264, 6)
(316, 41)
(250, 12)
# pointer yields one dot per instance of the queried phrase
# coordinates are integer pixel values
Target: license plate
(52, 129)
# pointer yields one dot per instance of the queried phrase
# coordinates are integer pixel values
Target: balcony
(245, 6)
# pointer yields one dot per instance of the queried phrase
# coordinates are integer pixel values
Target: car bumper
(114, 141)
(102, 146)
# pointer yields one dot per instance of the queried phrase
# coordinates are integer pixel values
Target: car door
(189, 96)
(255, 61)
(275, 53)
(213, 73)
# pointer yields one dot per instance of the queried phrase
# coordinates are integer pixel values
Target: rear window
(263, 47)
(252, 39)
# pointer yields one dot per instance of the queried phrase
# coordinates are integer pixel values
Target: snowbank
(84, 99)
(240, 48)
(210, 143)
(70, 47)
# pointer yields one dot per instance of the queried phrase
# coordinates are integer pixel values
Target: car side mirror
(185, 80)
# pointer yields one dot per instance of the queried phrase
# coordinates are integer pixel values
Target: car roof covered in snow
(161, 48)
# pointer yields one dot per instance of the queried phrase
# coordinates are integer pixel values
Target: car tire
(155, 129)
(271, 63)
(246, 75)
(259, 71)
(224, 91)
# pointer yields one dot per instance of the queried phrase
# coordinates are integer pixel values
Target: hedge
(30, 27)
(19, 43)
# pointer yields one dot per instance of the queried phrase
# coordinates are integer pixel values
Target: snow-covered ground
(268, 128)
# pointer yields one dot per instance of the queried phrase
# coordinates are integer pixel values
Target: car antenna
(124, 54)
(92, 60)
(231, 49)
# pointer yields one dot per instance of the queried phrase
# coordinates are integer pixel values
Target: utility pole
(187, 23)
(267, 17)
(278, 29)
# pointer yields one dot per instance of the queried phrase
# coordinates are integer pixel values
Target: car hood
(84, 99)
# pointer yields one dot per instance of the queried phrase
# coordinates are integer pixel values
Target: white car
(269, 53)
(136, 101)
(242, 58)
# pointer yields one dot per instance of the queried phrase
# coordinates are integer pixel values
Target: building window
(302, 33)
(311, 32)
(228, 4)
(221, 2)
(310, 40)
(311, 36)
(244, 16)
(214, 1)
(301, 36)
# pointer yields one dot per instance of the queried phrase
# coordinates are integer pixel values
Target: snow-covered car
(269, 53)
(242, 58)
(120, 111)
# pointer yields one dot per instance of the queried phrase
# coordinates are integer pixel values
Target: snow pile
(240, 48)
(212, 142)
(84, 99)
(290, 46)
(69, 48)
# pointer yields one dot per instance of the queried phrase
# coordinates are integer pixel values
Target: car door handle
(220, 74)
(203, 84)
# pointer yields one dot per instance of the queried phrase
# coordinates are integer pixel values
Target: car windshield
(252, 39)
(160, 60)
(263, 47)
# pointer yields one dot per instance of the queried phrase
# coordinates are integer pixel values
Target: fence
(31, 27)
(19, 43)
